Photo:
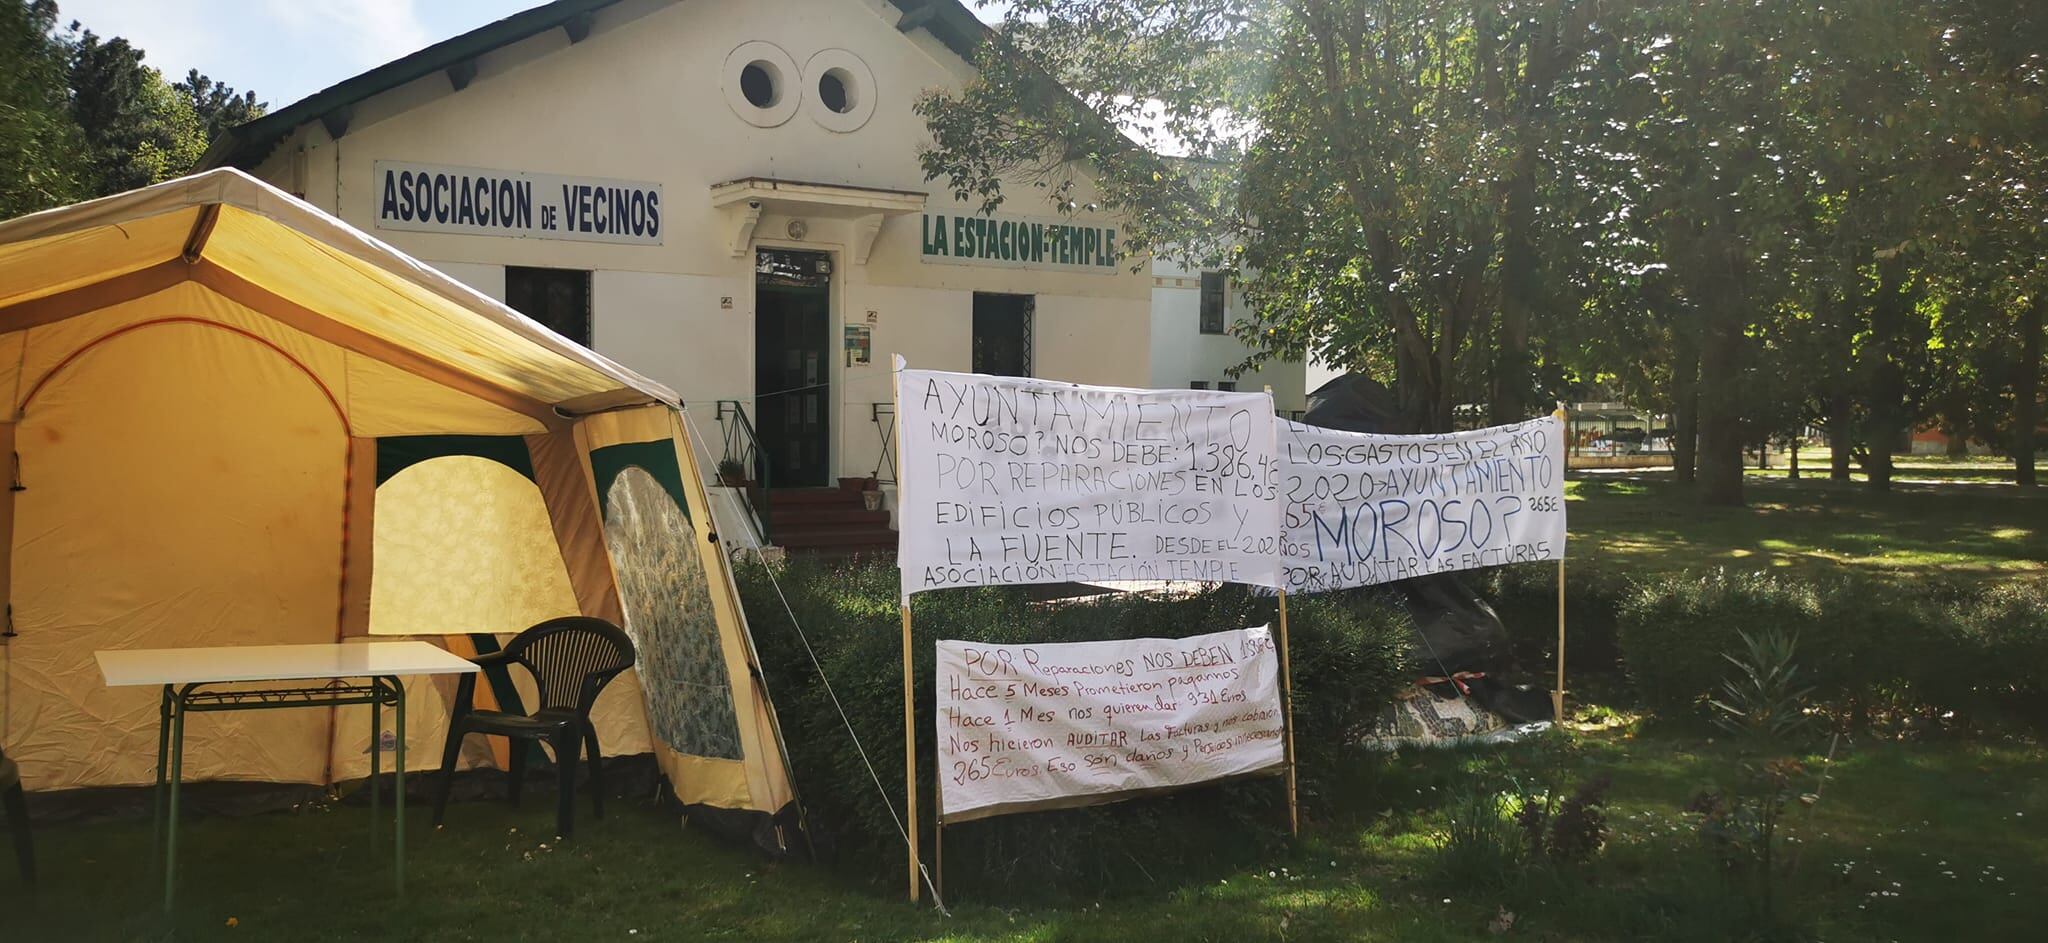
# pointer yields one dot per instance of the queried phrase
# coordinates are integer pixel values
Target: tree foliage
(82, 115)
(1759, 217)
(37, 136)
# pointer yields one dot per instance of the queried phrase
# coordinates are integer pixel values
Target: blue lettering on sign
(507, 202)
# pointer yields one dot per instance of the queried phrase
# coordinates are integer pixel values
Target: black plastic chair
(17, 817)
(571, 660)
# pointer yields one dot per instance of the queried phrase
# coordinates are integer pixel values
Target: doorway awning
(745, 200)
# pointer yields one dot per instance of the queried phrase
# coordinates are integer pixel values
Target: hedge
(1348, 653)
(1895, 656)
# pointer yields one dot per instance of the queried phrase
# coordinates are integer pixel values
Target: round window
(762, 84)
(833, 92)
(843, 91)
(757, 84)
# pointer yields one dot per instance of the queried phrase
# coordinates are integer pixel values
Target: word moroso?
(1364, 509)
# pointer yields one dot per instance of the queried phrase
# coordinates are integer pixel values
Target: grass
(1953, 825)
(1647, 523)
(1932, 840)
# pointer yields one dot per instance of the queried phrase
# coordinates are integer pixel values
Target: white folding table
(202, 680)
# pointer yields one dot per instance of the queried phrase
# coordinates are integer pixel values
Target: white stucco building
(726, 196)
(1193, 344)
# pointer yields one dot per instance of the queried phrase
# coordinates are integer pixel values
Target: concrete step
(807, 514)
(808, 497)
(804, 538)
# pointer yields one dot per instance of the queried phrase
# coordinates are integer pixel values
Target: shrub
(1524, 595)
(1900, 656)
(1348, 655)
(1571, 831)
(1482, 844)
(1674, 631)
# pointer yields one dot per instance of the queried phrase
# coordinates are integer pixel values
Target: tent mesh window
(558, 298)
(667, 600)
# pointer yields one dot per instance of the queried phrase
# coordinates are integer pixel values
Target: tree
(1372, 170)
(38, 139)
(217, 105)
(137, 129)
(1766, 215)
(1996, 45)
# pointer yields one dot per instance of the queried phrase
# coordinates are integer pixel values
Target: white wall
(1181, 353)
(640, 99)
(486, 278)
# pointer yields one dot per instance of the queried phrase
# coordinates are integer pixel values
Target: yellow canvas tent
(234, 419)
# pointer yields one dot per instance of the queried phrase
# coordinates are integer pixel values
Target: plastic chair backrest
(572, 658)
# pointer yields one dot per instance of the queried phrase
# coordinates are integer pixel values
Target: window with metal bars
(1215, 302)
(1002, 333)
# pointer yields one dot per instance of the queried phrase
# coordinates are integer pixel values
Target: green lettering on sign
(1010, 242)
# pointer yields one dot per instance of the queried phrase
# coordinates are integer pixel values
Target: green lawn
(1646, 522)
(1952, 831)
(1925, 841)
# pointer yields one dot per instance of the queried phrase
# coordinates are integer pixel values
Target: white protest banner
(1007, 480)
(1363, 509)
(1079, 723)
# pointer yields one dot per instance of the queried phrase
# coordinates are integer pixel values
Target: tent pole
(1557, 697)
(909, 754)
(1287, 701)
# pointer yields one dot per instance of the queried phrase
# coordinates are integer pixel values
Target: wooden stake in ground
(909, 678)
(938, 844)
(909, 754)
(1287, 704)
(1557, 697)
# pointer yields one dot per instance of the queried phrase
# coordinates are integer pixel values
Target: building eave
(248, 144)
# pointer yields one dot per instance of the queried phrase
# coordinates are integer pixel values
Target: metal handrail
(883, 415)
(743, 446)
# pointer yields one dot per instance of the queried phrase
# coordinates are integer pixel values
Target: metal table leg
(398, 762)
(177, 774)
(156, 796)
(177, 702)
(376, 761)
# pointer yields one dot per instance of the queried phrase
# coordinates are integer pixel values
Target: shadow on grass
(1646, 523)
(1946, 822)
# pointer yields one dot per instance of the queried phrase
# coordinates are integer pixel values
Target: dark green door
(792, 365)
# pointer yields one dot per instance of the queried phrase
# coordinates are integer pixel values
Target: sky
(288, 49)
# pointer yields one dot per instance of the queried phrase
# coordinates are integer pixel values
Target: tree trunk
(1685, 408)
(2026, 392)
(1958, 442)
(1841, 438)
(1720, 453)
(1888, 416)
(1792, 458)
(1720, 418)
(1518, 289)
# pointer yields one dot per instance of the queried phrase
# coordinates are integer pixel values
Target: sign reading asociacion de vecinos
(479, 202)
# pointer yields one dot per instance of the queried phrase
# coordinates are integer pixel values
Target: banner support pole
(938, 846)
(909, 754)
(1557, 697)
(1287, 697)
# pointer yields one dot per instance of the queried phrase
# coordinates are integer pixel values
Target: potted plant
(732, 473)
(871, 493)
